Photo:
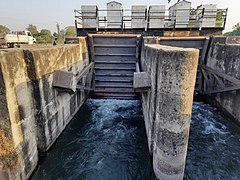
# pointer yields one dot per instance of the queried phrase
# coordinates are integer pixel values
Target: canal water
(214, 146)
(107, 141)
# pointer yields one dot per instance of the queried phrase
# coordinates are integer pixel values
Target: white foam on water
(213, 144)
(204, 114)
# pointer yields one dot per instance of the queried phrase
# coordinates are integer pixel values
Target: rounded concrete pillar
(174, 82)
(177, 70)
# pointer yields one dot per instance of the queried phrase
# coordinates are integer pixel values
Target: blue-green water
(214, 146)
(107, 141)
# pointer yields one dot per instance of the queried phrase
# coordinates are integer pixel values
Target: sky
(45, 14)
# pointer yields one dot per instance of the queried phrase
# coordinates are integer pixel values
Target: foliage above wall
(235, 31)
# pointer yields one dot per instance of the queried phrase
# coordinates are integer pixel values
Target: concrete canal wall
(33, 113)
(167, 105)
(224, 56)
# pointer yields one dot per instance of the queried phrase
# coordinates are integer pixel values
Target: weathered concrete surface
(167, 106)
(33, 113)
(64, 80)
(55, 109)
(19, 154)
(141, 81)
(222, 40)
(226, 59)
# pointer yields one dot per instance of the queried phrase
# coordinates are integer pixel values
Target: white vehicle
(16, 38)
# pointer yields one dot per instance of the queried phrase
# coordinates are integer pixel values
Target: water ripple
(105, 141)
(214, 148)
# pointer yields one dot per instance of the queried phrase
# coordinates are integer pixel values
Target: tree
(33, 29)
(4, 29)
(42, 37)
(45, 37)
(45, 32)
(70, 31)
(55, 34)
(235, 31)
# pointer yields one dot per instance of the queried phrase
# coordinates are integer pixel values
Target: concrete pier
(167, 106)
(32, 112)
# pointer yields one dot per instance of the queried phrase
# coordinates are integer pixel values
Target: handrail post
(97, 20)
(146, 20)
(225, 18)
(122, 20)
(203, 11)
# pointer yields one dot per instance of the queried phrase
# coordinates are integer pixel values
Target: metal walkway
(115, 63)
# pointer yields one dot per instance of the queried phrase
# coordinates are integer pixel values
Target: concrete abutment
(32, 112)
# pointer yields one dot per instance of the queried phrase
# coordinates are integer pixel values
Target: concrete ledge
(64, 81)
(141, 81)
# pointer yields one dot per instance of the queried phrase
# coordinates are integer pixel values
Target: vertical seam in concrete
(155, 105)
(31, 71)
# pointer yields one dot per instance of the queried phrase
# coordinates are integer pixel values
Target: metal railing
(183, 18)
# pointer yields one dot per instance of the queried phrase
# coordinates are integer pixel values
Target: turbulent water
(214, 146)
(107, 141)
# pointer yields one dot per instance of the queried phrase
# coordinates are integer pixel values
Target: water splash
(106, 140)
(213, 151)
